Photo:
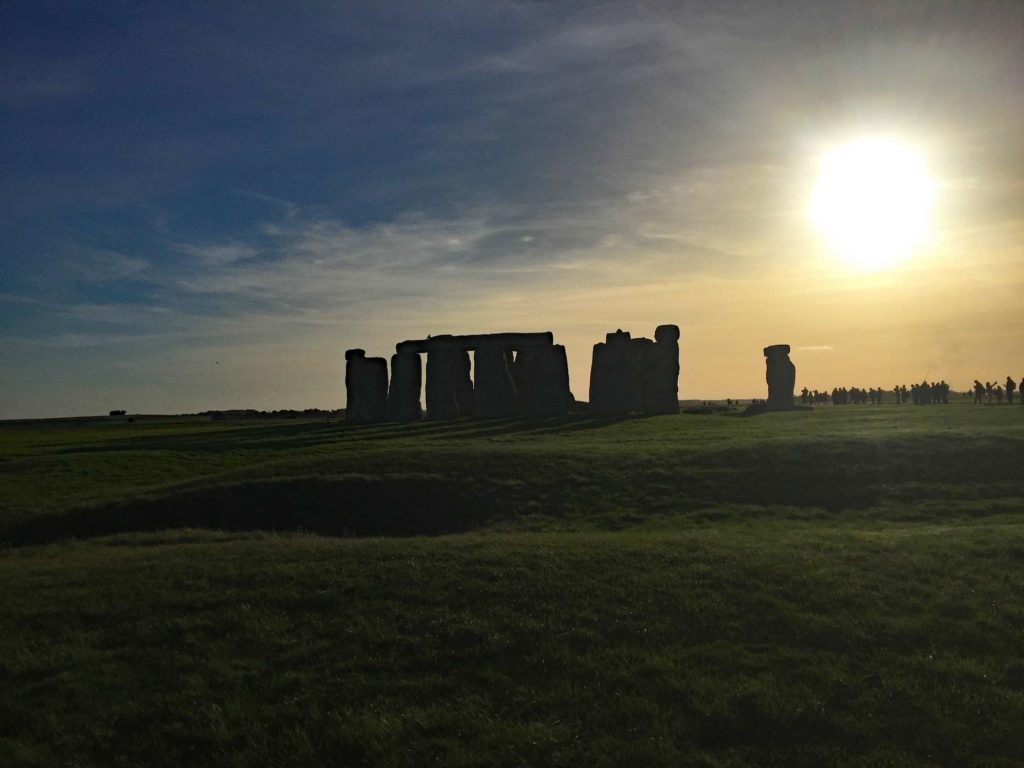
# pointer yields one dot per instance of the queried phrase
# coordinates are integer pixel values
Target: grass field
(836, 587)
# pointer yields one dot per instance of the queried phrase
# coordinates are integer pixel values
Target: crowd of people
(843, 396)
(984, 393)
(925, 393)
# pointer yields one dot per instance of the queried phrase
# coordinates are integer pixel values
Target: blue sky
(203, 204)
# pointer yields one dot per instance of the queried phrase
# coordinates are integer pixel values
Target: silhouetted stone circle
(515, 374)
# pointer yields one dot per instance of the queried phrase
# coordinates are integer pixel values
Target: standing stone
(441, 402)
(640, 356)
(449, 386)
(366, 387)
(406, 381)
(353, 408)
(463, 384)
(661, 380)
(494, 388)
(781, 376)
(543, 375)
(523, 376)
(610, 390)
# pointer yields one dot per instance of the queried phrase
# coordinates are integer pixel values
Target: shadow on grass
(294, 436)
(396, 506)
(437, 492)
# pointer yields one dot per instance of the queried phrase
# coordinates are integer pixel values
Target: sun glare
(872, 202)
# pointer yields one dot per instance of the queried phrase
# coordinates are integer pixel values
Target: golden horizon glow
(872, 202)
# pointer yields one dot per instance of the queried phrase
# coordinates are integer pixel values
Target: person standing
(1010, 386)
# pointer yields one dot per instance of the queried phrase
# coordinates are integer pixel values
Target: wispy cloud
(216, 253)
(13, 298)
(78, 340)
(101, 266)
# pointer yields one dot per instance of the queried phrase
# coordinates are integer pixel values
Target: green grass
(842, 587)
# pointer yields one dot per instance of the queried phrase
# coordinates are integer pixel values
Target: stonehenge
(513, 374)
(630, 375)
(780, 374)
(527, 374)
(524, 374)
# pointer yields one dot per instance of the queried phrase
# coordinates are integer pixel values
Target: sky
(202, 205)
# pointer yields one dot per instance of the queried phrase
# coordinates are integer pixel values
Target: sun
(872, 202)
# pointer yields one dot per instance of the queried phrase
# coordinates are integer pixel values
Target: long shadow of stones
(238, 437)
(290, 436)
(395, 506)
(477, 428)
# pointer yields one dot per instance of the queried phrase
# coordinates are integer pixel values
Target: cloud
(587, 41)
(13, 298)
(77, 340)
(305, 263)
(289, 209)
(93, 265)
(218, 254)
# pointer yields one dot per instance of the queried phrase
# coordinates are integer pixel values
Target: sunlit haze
(203, 206)
(872, 202)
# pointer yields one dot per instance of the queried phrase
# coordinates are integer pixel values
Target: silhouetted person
(979, 390)
(988, 391)
(1011, 385)
(999, 394)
